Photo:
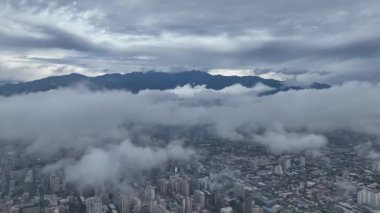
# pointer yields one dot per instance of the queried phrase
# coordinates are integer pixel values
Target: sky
(295, 40)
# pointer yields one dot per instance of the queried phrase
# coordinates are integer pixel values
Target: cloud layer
(79, 118)
(119, 128)
(328, 41)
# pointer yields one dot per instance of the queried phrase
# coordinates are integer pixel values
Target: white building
(150, 193)
(226, 210)
(94, 205)
(369, 197)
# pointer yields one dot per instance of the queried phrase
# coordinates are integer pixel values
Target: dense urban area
(225, 177)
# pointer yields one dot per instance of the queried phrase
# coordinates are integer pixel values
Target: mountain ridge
(137, 81)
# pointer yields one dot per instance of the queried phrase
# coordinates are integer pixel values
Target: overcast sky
(303, 40)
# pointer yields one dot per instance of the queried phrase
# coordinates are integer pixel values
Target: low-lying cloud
(102, 125)
(279, 140)
(78, 117)
(100, 165)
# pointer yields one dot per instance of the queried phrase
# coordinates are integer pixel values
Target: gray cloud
(77, 118)
(118, 128)
(339, 38)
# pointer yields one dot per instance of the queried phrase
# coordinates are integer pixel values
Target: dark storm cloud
(339, 38)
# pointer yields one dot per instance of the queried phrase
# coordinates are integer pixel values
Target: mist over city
(142, 106)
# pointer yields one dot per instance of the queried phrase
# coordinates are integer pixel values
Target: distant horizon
(222, 72)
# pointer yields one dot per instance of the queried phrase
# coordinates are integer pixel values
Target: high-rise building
(174, 184)
(369, 197)
(94, 205)
(254, 164)
(136, 204)
(153, 206)
(204, 183)
(42, 199)
(200, 198)
(163, 186)
(187, 205)
(226, 210)
(256, 209)
(376, 165)
(125, 205)
(150, 193)
(239, 189)
(185, 188)
(285, 162)
(11, 159)
(249, 203)
(55, 183)
(28, 182)
(302, 161)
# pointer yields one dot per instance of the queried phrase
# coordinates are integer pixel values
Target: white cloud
(279, 140)
(99, 166)
(77, 118)
(188, 91)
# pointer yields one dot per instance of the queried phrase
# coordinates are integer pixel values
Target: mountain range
(137, 81)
